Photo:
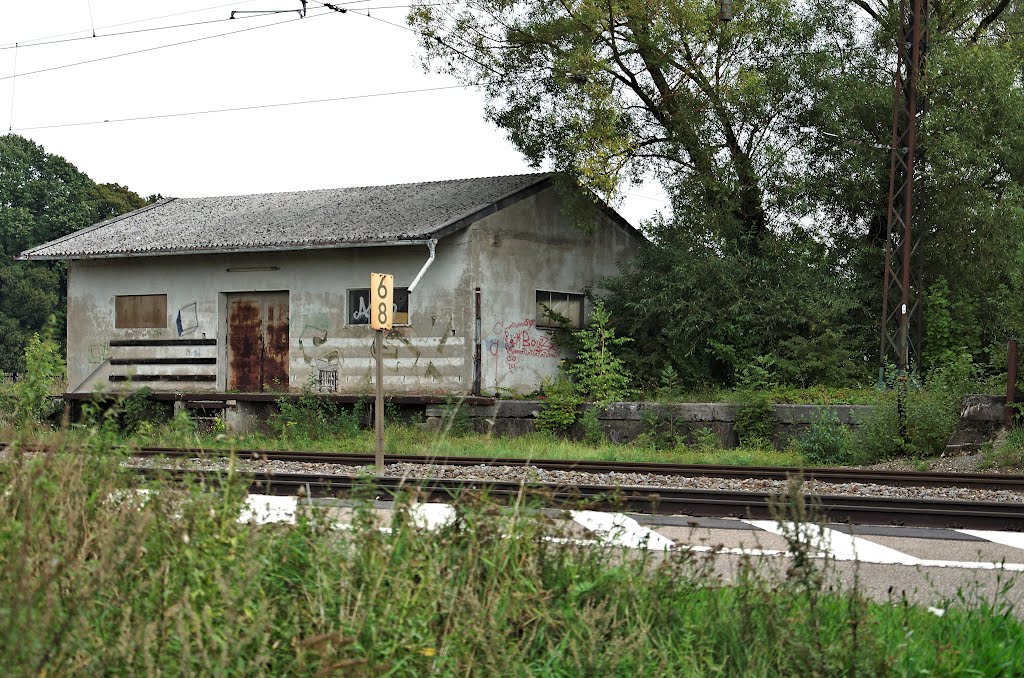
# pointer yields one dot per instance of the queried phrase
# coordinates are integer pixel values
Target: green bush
(598, 372)
(140, 412)
(827, 441)
(44, 367)
(931, 420)
(661, 432)
(561, 407)
(756, 422)
(314, 417)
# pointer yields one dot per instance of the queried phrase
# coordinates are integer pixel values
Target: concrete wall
(510, 254)
(430, 354)
(623, 422)
(524, 248)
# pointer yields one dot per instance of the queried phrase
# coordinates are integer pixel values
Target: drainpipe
(431, 244)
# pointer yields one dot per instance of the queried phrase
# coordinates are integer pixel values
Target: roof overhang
(284, 247)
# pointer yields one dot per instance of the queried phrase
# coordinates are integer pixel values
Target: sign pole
(382, 289)
(378, 409)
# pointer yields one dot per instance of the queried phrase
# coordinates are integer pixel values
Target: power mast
(901, 291)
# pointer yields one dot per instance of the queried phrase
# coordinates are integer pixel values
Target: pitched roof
(295, 220)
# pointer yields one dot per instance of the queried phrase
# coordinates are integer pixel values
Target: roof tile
(319, 218)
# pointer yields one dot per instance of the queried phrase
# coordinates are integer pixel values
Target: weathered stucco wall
(523, 248)
(432, 354)
(510, 254)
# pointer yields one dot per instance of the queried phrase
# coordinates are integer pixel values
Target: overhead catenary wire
(27, 42)
(159, 47)
(62, 40)
(254, 107)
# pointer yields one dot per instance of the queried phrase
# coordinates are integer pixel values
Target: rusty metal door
(258, 342)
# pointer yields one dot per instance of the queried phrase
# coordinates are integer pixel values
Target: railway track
(662, 501)
(659, 500)
(976, 481)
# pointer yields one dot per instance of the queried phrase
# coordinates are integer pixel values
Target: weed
(313, 417)
(455, 417)
(827, 441)
(140, 411)
(44, 367)
(661, 432)
(96, 580)
(598, 372)
(560, 410)
(1008, 452)
(756, 422)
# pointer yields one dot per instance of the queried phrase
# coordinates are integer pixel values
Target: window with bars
(555, 307)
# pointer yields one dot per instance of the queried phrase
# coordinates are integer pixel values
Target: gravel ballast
(533, 475)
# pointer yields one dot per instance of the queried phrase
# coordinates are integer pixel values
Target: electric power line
(129, 23)
(157, 47)
(243, 108)
(22, 45)
(119, 34)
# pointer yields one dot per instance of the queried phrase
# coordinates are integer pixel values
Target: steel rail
(662, 501)
(974, 481)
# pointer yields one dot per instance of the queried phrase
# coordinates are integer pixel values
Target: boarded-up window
(359, 306)
(554, 308)
(140, 310)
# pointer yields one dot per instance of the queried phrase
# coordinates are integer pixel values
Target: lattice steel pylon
(901, 291)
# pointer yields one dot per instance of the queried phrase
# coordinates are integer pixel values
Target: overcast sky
(276, 59)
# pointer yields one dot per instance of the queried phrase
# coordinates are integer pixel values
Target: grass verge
(96, 580)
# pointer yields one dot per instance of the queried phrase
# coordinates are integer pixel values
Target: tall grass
(94, 579)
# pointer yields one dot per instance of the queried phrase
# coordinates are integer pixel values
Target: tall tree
(42, 197)
(770, 134)
(611, 91)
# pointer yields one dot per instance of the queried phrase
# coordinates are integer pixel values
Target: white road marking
(432, 516)
(1014, 539)
(620, 529)
(265, 509)
(840, 545)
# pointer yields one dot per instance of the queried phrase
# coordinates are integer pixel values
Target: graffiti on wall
(520, 340)
(97, 353)
(325, 364)
(188, 319)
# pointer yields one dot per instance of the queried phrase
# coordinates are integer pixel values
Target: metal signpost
(382, 291)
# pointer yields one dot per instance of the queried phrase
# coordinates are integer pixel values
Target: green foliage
(455, 418)
(96, 579)
(561, 407)
(42, 197)
(140, 413)
(931, 420)
(1007, 453)
(756, 422)
(590, 423)
(773, 157)
(786, 316)
(314, 417)
(44, 367)
(827, 441)
(661, 432)
(597, 371)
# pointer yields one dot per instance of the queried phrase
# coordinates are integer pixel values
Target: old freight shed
(256, 293)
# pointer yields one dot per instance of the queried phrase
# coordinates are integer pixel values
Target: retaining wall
(622, 422)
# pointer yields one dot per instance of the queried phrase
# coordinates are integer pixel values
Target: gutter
(431, 245)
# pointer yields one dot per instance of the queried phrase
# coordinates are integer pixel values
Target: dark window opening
(554, 308)
(359, 306)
